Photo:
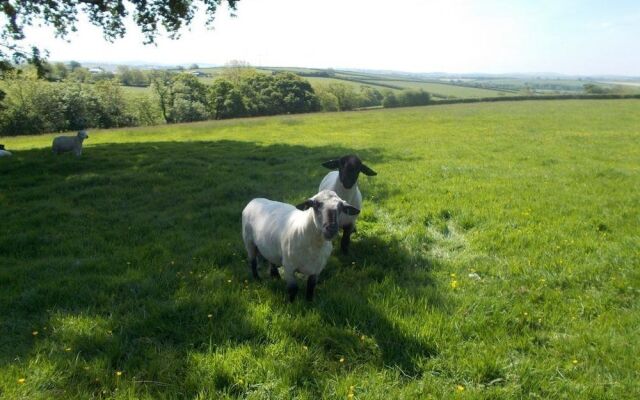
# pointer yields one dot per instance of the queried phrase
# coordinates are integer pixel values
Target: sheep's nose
(331, 229)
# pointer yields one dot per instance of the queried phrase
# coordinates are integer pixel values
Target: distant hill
(441, 85)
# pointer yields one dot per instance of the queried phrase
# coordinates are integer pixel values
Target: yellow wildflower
(460, 388)
(21, 381)
(118, 373)
(34, 333)
(454, 284)
(341, 359)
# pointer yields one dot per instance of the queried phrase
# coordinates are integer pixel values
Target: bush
(370, 97)
(184, 110)
(30, 105)
(132, 76)
(112, 110)
(181, 97)
(414, 98)
(328, 101)
(144, 110)
(281, 93)
(36, 106)
(390, 100)
(225, 101)
(406, 98)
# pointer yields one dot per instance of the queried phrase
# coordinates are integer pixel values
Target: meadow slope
(497, 257)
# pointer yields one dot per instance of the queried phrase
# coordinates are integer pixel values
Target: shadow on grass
(130, 258)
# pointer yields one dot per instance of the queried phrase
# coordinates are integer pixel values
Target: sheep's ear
(309, 203)
(349, 209)
(367, 171)
(332, 164)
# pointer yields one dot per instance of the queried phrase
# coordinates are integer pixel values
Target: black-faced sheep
(344, 182)
(298, 238)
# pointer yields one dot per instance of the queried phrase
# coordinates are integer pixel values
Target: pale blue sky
(585, 37)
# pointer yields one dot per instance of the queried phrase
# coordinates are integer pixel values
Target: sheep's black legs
(254, 268)
(292, 289)
(274, 271)
(311, 284)
(346, 239)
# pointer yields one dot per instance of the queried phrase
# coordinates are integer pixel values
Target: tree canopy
(110, 15)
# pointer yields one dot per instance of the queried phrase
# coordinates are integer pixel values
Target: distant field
(382, 82)
(136, 89)
(448, 90)
(326, 81)
(437, 89)
(624, 83)
(549, 85)
(496, 258)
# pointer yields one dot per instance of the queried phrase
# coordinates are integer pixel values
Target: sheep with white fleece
(298, 238)
(3, 152)
(63, 144)
(344, 182)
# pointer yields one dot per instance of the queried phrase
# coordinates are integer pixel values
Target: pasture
(449, 90)
(497, 256)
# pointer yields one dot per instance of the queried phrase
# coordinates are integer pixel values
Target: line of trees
(127, 76)
(31, 105)
(406, 98)
(183, 97)
(71, 98)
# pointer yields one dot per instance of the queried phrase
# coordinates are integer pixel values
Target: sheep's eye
(317, 205)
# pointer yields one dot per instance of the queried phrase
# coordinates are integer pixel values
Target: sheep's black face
(349, 168)
(327, 206)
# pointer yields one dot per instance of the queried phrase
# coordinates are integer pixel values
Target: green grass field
(447, 90)
(320, 81)
(497, 257)
(136, 90)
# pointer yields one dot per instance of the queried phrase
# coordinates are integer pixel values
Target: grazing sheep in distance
(3, 152)
(63, 144)
(298, 238)
(344, 182)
